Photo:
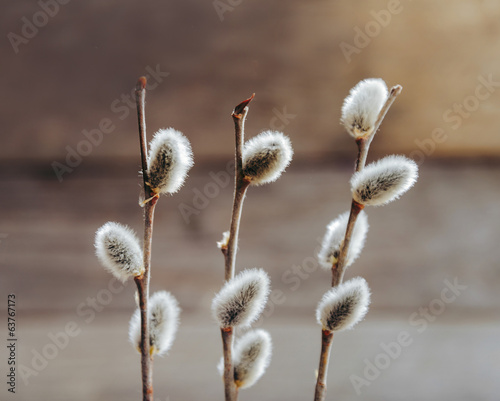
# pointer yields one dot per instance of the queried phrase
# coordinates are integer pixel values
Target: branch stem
(338, 268)
(364, 142)
(140, 98)
(143, 282)
(241, 184)
(363, 147)
(230, 389)
(393, 94)
(326, 345)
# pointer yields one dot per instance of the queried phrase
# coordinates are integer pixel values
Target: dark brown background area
(77, 72)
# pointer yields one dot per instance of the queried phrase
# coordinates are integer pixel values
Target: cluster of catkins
(377, 184)
(169, 159)
(243, 298)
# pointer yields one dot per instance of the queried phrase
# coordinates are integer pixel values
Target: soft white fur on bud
(169, 160)
(384, 181)
(344, 306)
(266, 156)
(334, 238)
(224, 241)
(362, 106)
(242, 299)
(163, 323)
(119, 251)
(252, 354)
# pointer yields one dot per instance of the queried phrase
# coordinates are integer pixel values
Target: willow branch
(140, 98)
(143, 282)
(230, 389)
(326, 345)
(338, 268)
(240, 186)
(364, 143)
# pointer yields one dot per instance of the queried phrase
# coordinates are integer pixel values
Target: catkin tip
(163, 319)
(384, 181)
(118, 250)
(242, 299)
(334, 239)
(252, 354)
(266, 156)
(344, 306)
(362, 106)
(169, 160)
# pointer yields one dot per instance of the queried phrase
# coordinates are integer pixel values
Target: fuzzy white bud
(169, 160)
(163, 315)
(242, 299)
(266, 156)
(118, 249)
(224, 241)
(344, 306)
(252, 354)
(384, 181)
(362, 106)
(334, 238)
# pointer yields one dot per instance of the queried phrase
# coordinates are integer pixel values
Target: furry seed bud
(242, 299)
(362, 106)
(266, 156)
(384, 181)
(118, 249)
(252, 354)
(169, 160)
(163, 322)
(344, 306)
(334, 238)
(224, 241)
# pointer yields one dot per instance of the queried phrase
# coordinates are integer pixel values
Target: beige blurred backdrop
(69, 162)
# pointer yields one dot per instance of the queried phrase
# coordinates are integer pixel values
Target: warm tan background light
(73, 76)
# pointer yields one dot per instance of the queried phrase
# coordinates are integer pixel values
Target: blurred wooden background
(76, 74)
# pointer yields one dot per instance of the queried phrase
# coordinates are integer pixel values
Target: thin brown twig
(364, 143)
(338, 268)
(393, 94)
(326, 345)
(140, 98)
(143, 282)
(230, 389)
(240, 186)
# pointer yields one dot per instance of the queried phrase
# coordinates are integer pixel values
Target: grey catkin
(169, 160)
(266, 156)
(118, 249)
(384, 181)
(242, 299)
(344, 305)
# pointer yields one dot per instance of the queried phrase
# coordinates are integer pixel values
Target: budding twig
(230, 389)
(143, 282)
(338, 268)
(240, 186)
(364, 143)
(326, 345)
